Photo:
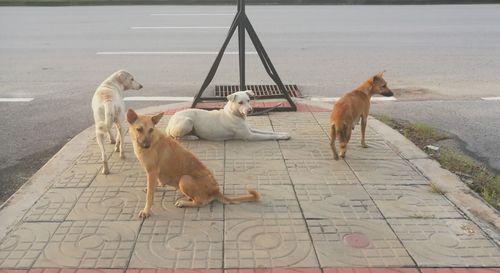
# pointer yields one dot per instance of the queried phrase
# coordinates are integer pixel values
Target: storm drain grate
(259, 90)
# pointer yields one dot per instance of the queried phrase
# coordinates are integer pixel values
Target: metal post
(241, 43)
(243, 24)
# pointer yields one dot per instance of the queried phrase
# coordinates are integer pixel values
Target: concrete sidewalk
(375, 209)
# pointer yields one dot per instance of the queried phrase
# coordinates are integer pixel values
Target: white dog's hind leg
(119, 142)
(100, 141)
(179, 127)
(111, 138)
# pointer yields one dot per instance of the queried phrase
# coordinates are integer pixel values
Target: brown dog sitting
(166, 162)
(352, 107)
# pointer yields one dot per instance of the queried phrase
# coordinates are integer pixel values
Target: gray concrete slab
(90, 244)
(22, 247)
(385, 172)
(336, 202)
(268, 243)
(254, 172)
(324, 172)
(357, 243)
(450, 242)
(179, 244)
(411, 201)
(54, 205)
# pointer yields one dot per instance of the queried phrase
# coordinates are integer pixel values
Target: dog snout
(250, 109)
(145, 145)
(387, 93)
(140, 86)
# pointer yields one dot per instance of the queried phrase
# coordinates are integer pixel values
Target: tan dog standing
(166, 162)
(352, 107)
(109, 109)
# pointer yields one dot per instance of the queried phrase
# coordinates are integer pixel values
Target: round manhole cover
(357, 240)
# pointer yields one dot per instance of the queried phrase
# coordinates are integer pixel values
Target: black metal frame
(242, 22)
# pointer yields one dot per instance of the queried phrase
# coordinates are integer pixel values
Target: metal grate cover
(259, 90)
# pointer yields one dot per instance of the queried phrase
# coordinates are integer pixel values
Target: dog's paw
(105, 170)
(285, 136)
(364, 145)
(336, 157)
(112, 141)
(122, 156)
(144, 213)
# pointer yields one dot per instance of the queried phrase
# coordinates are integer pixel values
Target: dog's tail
(108, 114)
(253, 196)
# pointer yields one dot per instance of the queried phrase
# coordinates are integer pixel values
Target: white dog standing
(227, 123)
(109, 109)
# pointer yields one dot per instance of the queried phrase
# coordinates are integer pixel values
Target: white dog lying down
(224, 124)
(109, 109)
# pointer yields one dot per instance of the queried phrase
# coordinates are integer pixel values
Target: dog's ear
(231, 97)
(156, 118)
(377, 79)
(131, 116)
(122, 75)
(250, 93)
(381, 73)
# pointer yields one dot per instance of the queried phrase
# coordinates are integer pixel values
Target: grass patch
(477, 176)
(422, 134)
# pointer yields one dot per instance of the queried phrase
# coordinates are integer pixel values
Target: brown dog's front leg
(150, 191)
(363, 130)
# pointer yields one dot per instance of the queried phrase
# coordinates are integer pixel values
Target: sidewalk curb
(465, 199)
(14, 208)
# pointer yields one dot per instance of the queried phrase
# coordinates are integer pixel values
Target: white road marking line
(169, 53)
(158, 99)
(332, 99)
(491, 98)
(16, 99)
(192, 14)
(179, 27)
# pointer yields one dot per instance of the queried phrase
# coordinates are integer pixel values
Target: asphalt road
(441, 58)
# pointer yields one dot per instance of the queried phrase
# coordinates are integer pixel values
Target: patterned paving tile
(370, 270)
(324, 172)
(460, 270)
(179, 244)
(74, 270)
(274, 270)
(414, 201)
(53, 206)
(165, 209)
(284, 119)
(386, 172)
(205, 150)
(92, 244)
(358, 243)
(450, 242)
(277, 202)
(21, 247)
(306, 149)
(336, 202)
(260, 122)
(110, 203)
(377, 149)
(254, 172)
(174, 270)
(126, 178)
(303, 131)
(257, 150)
(92, 154)
(269, 243)
(78, 176)
(128, 165)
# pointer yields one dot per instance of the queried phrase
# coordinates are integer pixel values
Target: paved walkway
(375, 209)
